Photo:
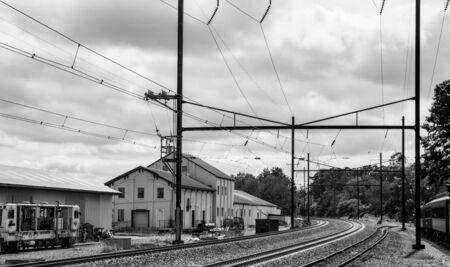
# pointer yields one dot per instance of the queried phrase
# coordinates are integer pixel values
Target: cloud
(327, 56)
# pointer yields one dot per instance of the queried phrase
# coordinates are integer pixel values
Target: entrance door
(140, 218)
(193, 219)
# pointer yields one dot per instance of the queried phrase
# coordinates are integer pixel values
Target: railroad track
(351, 253)
(284, 251)
(136, 252)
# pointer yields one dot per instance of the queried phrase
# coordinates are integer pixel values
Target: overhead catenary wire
(76, 118)
(66, 117)
(70, 129)
(231, 72)
(210, 27)
(267, 47)
(84, 46)
(94, 79)
(91, 50)
(408, 57)
(437, 49)
(381, 56)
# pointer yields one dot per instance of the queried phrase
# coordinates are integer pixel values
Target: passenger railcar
(435, 216)
(40, 225)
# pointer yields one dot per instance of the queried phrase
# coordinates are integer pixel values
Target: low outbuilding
(250, 208)
(18, 184)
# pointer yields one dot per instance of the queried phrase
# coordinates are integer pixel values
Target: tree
(247, 183)
(436, 143)
(274, 186)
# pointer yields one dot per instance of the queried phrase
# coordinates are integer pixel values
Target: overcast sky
(327, 55)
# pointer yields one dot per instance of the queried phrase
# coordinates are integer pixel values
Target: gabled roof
(12, 176)
(241, 197)
(186, 181)
(207, 167)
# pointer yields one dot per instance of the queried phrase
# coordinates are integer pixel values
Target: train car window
(438, 213)
(10, 214)
(76, 214)
(28, 218)
(1, 217)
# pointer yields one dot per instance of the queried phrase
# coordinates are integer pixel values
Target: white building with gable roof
(147, 199)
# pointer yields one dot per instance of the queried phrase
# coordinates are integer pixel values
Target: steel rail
(341, 251)
(135, 252)
(283, 251)
(364, 251)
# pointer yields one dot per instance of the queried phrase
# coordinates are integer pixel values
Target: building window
(222, 211)
(165, 168)
(249, 213)
(140, 192)
(221, 190)
(122, 192)
(184, 168)
(160, 192)
(244, 212)
(120, 215)
(225, 190)
(218, 212)
(188, 204)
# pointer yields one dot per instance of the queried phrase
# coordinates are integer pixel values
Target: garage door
(140, 218)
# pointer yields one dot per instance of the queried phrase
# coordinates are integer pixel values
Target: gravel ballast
(207, 255)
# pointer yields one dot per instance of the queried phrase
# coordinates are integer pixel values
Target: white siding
(160, 209)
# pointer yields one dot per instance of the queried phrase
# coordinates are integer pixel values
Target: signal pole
(381, 188)
(403, 175)
(309, 204)
(292, 173)
(417, 245)
(357, 185)
(304, 193)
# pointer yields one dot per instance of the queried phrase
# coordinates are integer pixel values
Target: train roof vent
(25, 202)
(44, 202)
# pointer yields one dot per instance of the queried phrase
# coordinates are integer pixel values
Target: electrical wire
(231, 72)
(437, 50)
(70, 129)
(216, 42)
(381, 61)
(275, 68)
(82, 45)
(408, 51)
(242, 11)
(76, 118)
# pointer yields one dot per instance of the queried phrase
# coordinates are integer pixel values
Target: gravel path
(210, 254)
(50, 254)
(396, 250)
